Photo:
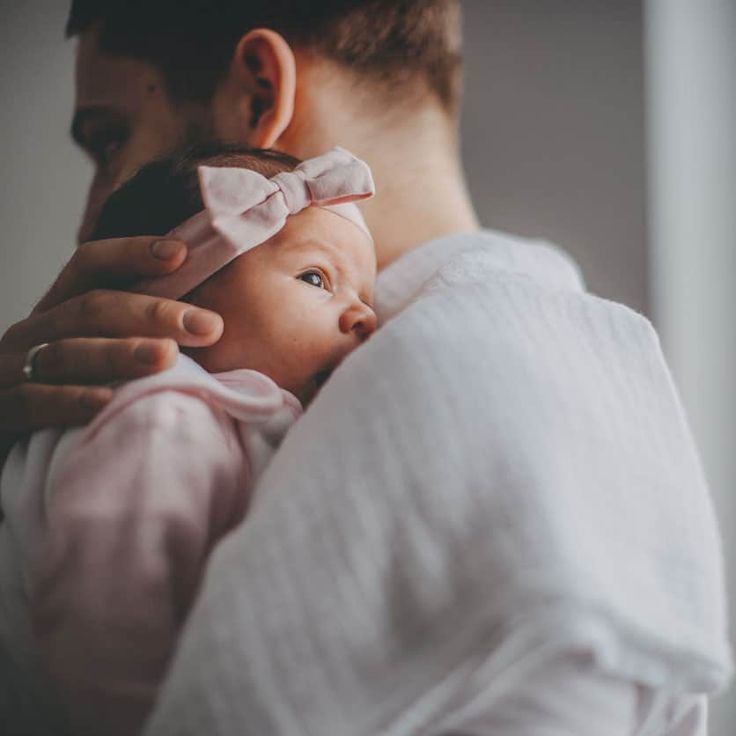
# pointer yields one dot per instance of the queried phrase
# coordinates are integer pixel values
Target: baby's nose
(358, 319)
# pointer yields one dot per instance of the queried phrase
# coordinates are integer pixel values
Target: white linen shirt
(492, 520)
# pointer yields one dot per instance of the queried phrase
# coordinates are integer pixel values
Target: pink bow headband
(244, 209)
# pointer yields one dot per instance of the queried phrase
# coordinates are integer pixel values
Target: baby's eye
(314, 278)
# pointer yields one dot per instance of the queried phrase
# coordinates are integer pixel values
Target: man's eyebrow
(84, 114)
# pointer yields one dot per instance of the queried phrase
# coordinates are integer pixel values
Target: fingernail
(198, 322)
(147, 352)
(164, 250)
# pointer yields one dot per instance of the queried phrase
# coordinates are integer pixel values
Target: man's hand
(96, 334)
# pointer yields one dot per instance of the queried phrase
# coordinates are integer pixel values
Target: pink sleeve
(131, 518)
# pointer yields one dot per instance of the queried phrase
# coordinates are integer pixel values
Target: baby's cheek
(302, 355)
(232, 351)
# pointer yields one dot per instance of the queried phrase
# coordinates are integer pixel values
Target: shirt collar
(403, 280)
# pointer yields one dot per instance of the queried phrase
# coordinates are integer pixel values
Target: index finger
(117, 262)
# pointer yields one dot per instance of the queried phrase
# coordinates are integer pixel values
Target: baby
(108, 528)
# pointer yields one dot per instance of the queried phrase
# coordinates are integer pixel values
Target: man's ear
(263, 73)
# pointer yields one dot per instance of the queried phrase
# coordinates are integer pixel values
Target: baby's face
(296, 305)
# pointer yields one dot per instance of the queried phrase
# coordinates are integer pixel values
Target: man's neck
(413, 153)
(421, 195)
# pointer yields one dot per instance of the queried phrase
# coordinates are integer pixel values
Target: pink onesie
(120, 517)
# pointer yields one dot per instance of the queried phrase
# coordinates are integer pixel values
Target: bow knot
(244, 209)
(238, 196)
(294, 187)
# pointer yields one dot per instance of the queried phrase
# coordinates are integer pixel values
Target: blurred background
(606, 126)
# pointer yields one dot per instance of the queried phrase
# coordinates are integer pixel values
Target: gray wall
(554, 132)
(44, 176)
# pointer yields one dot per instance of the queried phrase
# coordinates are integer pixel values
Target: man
(492, 520)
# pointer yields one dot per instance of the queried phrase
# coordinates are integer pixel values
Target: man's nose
(358, 319)
(98, 193)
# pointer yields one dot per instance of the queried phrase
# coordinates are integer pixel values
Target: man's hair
(398, 42)
(165, 192)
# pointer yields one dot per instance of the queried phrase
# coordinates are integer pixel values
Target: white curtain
(690, 51)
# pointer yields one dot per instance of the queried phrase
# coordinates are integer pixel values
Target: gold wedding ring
(29, 367)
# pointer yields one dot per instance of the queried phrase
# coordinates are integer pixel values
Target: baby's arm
(131, 518)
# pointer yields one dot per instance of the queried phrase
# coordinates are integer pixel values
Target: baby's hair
(165, 192)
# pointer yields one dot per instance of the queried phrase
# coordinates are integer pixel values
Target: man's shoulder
(503, 285)
(502, 294)
(487, 335)
(503, 325)
(491, 254)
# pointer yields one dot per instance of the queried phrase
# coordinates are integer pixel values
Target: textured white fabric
(500, 481)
